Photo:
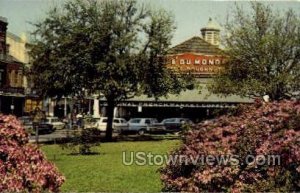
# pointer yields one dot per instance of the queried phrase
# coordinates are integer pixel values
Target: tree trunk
(110, 116)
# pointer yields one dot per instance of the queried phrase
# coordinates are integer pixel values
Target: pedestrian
(38, 116)
(79, 119)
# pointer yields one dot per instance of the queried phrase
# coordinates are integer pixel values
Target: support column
(65, 106)
(96, 108)
(51, 107)
(116, 112)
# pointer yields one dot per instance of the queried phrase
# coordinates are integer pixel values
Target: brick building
(12, 92)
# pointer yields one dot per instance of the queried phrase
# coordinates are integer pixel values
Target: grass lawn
(105, 172)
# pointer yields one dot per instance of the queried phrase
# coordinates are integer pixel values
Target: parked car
(143, 125)
(90, 122)
(43, 126)
(101, 123)
(176, 124)
(55, 122)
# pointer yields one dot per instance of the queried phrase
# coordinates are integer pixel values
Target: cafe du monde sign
(195, 63)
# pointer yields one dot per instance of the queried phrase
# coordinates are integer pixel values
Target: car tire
(141, 131)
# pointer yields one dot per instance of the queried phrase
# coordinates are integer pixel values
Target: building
(12, 92)
(19, 48)
(200, 56)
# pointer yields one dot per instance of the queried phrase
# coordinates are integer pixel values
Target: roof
(195, 45)
(10, 58)
(16, 38)
(201, 95)
(3, 19)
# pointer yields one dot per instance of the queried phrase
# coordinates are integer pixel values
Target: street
(64, 133)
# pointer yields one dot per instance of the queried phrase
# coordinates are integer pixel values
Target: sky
(190, 15)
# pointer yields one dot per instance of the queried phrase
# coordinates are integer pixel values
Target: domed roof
(211, 25)
(3, 19)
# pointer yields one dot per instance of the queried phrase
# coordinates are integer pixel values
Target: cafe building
(201, 57)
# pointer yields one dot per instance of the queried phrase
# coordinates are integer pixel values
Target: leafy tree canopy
(263, 47)
(112, 47)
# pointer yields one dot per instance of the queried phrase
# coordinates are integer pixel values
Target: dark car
(45, 127)
(176, 124)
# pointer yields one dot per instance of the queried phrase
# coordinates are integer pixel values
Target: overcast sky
(190, 15)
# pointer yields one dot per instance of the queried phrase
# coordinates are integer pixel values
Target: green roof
(195, 96)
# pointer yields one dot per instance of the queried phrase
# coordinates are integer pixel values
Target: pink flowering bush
(23, 167)
(256, 130)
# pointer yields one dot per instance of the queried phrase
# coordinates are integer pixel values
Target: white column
(96, 108)
(51, 107)
(65, 107)
(116, 112)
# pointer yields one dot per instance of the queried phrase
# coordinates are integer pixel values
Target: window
(12, 78)
(154, 120)
(135, 120)
(20, 79)
(173, 61)
(147, 121)
(169, 120)
(188, 61)
(181, 61)
(16, 79)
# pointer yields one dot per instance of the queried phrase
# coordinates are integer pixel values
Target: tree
(263, 49)
(116, 48)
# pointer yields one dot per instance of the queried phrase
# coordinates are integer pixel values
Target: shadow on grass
(123, 137)
(85, 154)
(146, 137)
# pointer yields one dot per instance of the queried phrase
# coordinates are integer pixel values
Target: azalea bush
(23, 167)
(259, 129)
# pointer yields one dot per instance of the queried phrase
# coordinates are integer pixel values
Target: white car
(57, 124)
(101, 123)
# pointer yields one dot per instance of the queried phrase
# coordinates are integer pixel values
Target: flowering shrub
(23, 166)
(258, 129)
